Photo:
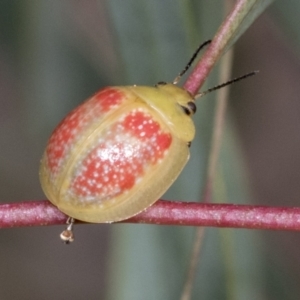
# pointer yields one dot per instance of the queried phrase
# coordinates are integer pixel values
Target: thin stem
(217, 47)
(43, 213)
(220, 215)
(193, 264)
(219, 119)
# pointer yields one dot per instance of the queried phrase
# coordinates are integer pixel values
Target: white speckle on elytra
(153, 139)
(74, 131)
(138, 179)
(106, 169)
(91, 182)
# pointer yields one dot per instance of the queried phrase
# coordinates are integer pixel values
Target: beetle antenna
(176, 80)
(225, 84)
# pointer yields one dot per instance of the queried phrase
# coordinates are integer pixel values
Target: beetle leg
(67, 235)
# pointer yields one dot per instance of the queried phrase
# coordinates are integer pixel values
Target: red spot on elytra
(109, 97)
(126, 154)
(62, 136)
(163, 141)
(73, 126)
(106, 175)
(141, 125)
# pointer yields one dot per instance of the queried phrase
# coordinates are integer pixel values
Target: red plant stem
(39, 213)
(214, 51)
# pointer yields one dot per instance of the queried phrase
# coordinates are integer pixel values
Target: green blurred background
(54, 54)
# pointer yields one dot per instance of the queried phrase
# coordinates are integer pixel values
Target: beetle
(118, 152)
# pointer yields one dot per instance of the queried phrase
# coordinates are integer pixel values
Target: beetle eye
(192, 106)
